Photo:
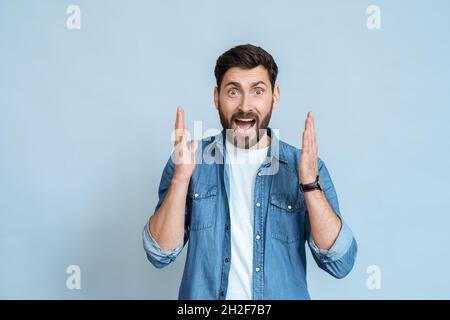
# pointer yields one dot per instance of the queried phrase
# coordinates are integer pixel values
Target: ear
(276, 95)
(216, 97)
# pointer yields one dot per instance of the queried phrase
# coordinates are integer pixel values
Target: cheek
(264, 106)
(228, 106)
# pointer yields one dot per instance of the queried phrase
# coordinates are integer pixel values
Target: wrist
(180, 180)
(314, 194)
(311, 186)
(308, 180)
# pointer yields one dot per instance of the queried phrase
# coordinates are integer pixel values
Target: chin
(244, 139)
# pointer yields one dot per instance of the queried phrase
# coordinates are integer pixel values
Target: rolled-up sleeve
(338, 249)
(340, 258)
(157, 256)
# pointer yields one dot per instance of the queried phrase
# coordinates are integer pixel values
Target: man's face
(245, 104)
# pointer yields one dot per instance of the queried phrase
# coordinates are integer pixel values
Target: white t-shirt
(243, 165)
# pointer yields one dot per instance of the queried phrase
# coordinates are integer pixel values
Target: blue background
(86, 117)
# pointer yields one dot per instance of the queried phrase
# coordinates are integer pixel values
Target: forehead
(246, 76)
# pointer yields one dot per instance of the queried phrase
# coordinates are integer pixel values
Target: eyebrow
(237, 84)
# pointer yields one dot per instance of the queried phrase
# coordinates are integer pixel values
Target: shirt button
(259, 173)
(258, 204)
(227, 260)
(257, 269)
(258, 237)
(289, 207)
(196, 195)
(227, 227)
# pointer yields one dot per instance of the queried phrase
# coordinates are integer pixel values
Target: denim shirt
(281, 227)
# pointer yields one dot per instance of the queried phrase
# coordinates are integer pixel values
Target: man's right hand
(184, 155)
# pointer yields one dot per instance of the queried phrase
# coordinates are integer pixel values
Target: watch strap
(311, 186)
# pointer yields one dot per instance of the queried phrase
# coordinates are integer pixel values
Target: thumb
(194, 146)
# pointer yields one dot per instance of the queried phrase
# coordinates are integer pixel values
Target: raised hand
(308, 170)
(184, 155)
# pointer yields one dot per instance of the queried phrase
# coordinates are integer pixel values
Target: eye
(259, 91)
(233, 92)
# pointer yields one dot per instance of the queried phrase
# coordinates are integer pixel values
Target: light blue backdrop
(86, 117)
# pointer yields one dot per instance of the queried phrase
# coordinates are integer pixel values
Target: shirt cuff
(152, 247)
(338, 249)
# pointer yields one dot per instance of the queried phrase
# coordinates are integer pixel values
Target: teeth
(245, 120)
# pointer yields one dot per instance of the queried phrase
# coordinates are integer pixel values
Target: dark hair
(245, 56)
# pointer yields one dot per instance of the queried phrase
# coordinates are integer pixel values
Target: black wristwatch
(316, 185)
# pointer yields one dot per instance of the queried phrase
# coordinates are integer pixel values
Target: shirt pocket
(203, 206)
(287, 215)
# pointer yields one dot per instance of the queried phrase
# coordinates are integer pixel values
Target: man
(248, 213)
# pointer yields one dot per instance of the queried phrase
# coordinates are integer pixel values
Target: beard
(245, 129)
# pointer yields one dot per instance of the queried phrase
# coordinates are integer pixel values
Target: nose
(245, 104)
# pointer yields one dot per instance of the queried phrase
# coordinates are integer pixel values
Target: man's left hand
(308, 156)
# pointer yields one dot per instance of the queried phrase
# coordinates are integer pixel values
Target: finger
(311, 134)
(179, 121)
(313, 142)
(313, 125)
(184, 136)
(306, 144)
(314, 138)
(179, 125)
(305, 136)
(306, 123)
(309, 137)
(181, 117)
(307, 133)
(194, 145)
(181, 144)
(193, 150)
(311, 122)
(181, 137)
(304, 140)
(184, 126)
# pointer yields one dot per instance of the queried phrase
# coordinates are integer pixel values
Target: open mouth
(244, 124)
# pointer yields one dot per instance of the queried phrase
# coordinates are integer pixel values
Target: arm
(330, 239)
(166, 225)
(325, 224)
(165, 230)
